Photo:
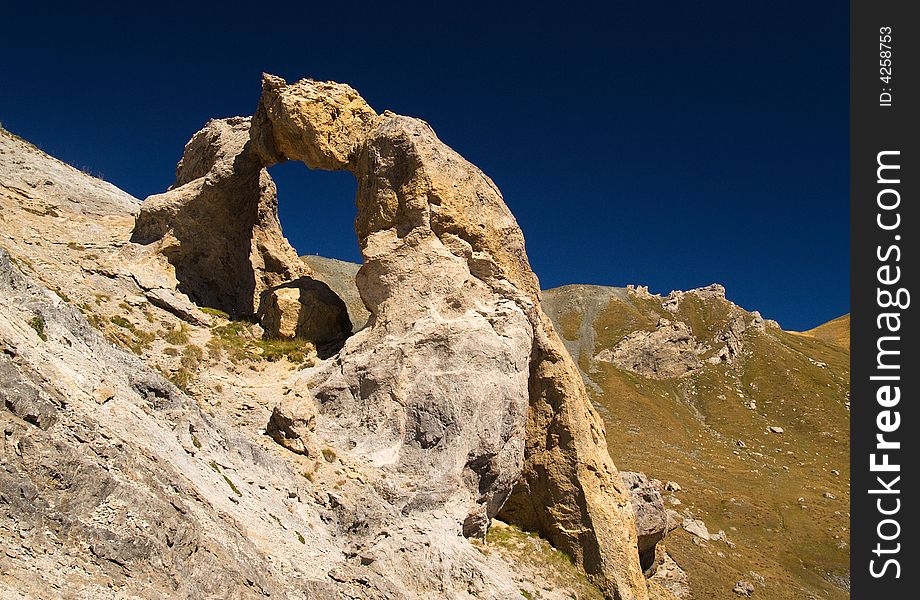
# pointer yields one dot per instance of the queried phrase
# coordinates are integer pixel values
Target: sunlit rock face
(218, 224)
(459, 384)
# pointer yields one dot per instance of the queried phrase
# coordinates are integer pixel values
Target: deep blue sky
(668, 144)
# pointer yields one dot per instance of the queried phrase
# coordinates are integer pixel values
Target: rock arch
(459, 384)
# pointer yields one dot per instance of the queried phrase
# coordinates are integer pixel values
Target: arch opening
(316, 211)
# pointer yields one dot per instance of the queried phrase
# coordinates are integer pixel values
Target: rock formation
(218, 224)
(304, 308)
(651, 515)
(670, 350)
(487, 411)
(116, 483)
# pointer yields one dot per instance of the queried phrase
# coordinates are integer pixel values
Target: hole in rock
(317, 210)
(317, 213)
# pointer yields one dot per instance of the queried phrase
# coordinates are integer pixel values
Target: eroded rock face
(218, 224)
(304, 308)
(651, 515)
(459, 384)
(670, 350)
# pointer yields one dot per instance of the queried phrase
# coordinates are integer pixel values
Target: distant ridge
(836, 331)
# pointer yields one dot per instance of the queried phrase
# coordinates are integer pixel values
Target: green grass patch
(122, 322)
(176, 337)
(38, 324)
(329, 454)
(235, 340)
(215, 312)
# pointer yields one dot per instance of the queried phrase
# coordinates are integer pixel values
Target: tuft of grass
(215, 312)
(232, 486)
(236, 341)
(329, 454)
(122, 322)
(176, 337)
(294, 350)
(38, 324)
(62, 295)
(300, 538)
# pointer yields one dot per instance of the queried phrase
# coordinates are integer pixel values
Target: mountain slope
(835, 331)
(690, 386)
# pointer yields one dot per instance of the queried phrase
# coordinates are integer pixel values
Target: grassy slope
(687, 430)
(834, 332)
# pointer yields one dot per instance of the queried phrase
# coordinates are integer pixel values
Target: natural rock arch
(459, 383)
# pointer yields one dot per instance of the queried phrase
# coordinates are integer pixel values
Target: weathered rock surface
(136, 488)
(671, 577)
(446, 273)
(340, 275)
(651, 515)
(218, 224)
(304, 308)
(668, 351)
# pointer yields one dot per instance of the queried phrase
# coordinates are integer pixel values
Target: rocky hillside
(751, 422)
(190, 410)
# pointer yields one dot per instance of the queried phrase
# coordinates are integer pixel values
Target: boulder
(651, 515)
(304, 308)
(293, 425)
(744, 588)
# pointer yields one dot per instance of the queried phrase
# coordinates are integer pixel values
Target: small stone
(744, 588)
(103, 395)
(775, 429)
(672, 486)
(696, 527)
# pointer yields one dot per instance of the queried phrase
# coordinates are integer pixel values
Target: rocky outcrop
(671, 577)
(487, 411)
(115, 483)
(651, 515)
(218, 224)
(670, 350)
(304, 308)
(340, 275)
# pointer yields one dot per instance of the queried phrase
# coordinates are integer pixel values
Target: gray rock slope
(134, 457)
(115, 483)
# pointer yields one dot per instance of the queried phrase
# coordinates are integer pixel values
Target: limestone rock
(304, 308)
(671, 577)
(149, 494)
(293, 425)
(651, 515)
(744, 588)
(670, 350)
(697, 528)
(218, 224)
(340, 275)
(446, 274)
(322, 124)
